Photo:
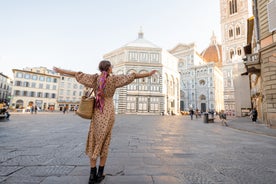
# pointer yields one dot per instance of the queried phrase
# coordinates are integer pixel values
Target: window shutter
(271, 12)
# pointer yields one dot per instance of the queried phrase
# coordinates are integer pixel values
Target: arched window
(231, 54)
(230, 33)
(239, 51)
(238, 31)
(202, 82)
(19, 104)
(202, 97)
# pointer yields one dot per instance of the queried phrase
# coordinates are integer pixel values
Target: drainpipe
(257, 28)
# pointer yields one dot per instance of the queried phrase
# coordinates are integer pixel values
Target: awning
(250, 27)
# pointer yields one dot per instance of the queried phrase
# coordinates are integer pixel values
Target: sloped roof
(180, 47)
(141, 42)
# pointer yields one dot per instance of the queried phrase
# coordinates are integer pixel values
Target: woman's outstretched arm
(87, 80)
(142, 75)
(64, 72)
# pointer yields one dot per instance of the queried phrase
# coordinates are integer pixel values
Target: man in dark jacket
(254, 115)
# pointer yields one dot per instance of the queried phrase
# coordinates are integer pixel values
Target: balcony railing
(252, 59)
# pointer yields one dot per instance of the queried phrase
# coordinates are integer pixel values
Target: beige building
(201, 78)
(44, 88)
(69, 93)
(35, 86)
(153, 95)
(234, 15)
(260, 60)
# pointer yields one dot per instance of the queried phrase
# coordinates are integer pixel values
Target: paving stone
(146, 170)
(78, 161)
(125, 161)
(7, 170)
(119, 154)
(28, 160)
(142, 155)
(7, 155)
(66, 179)
(128, 180)
(2, 178)
(23, 180)
(240, 176)
(81, 171)
(154, 161)
(45, 171)
(196, 176)
(166, 179)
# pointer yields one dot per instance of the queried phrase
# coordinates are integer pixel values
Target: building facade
(44, 88)
(5, 88)
(234, 15)
(260, 59)
(201, 79)
(35, 86)
(267, 53)
(158, 94)
(69, 93)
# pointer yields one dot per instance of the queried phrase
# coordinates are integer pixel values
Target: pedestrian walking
(191, 113)
(64, 109)
(212, 112)
(196, 113)
(32, 109)
(222, 117)
(76, 108)
(100, 130)
(254, 115)
(35, 109)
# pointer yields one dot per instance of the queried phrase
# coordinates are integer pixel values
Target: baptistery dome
(141, 42)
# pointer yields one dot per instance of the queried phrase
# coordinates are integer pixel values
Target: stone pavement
(246, 124)
(48, 148)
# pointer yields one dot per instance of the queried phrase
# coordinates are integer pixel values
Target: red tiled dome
(213, 53)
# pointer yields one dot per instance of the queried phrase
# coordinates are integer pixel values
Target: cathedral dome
(213, 53)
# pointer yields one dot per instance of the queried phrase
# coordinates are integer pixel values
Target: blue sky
(75, 34)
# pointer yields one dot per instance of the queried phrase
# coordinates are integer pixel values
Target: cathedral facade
(158, 94)
(201, 78)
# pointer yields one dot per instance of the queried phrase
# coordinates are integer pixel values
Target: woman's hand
(56, 69)
(64, 72)
(142, 75)
(152, 72)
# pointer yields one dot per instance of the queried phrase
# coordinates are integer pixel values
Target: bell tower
(233, 18)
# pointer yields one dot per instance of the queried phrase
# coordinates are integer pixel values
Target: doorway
(203, 107)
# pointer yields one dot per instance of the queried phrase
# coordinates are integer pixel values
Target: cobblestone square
(48, 148)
